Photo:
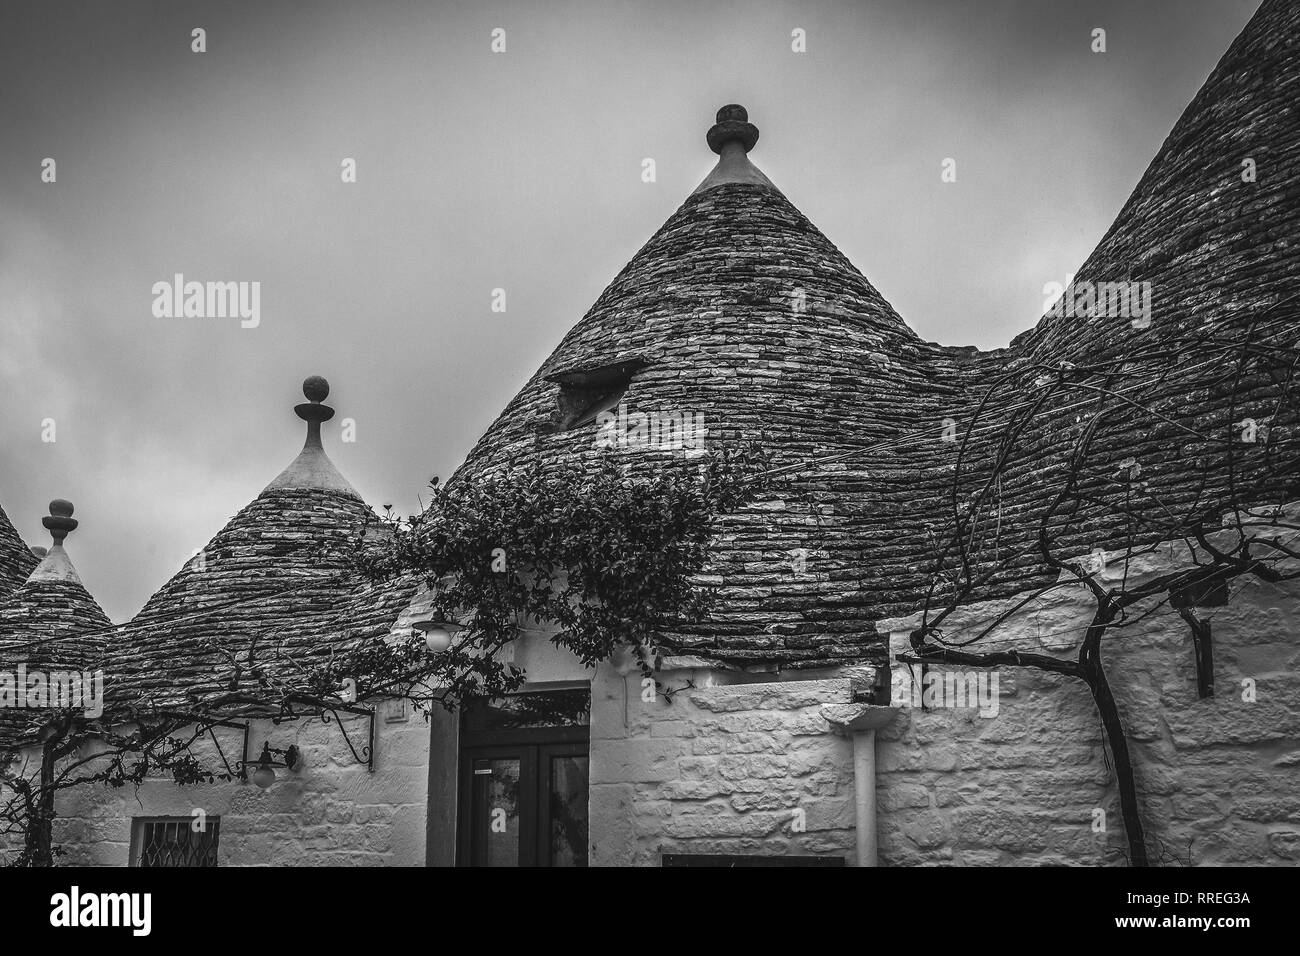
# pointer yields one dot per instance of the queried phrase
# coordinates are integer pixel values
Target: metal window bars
(173, 842)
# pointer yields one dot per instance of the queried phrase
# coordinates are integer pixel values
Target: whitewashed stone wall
(737, 767)
(330, 811)
(733, 769)
(1218, 778)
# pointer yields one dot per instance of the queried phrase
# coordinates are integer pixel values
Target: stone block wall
(330, 811)
(748, 769)
(1218, 778)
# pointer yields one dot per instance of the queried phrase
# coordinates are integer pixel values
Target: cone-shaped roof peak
(313, 468)
(280, 572)
(55, 564)
(732, 137)
(52, 619)
(744, 315)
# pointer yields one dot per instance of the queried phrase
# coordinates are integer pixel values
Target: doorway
(523, 779)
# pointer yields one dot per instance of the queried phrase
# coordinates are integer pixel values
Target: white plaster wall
(723, 769)
(330, 811)
(1218, 779)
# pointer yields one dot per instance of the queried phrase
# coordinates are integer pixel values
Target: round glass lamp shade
(437, 639)
(437, 635)
(264, 777)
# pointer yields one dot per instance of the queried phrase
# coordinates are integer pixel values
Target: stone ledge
(853, 718)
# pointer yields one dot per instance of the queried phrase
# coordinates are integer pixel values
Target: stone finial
(733, 125)
(60, 522)
(55, 565)
(316, 389)
(39, 551)
(312, 468)
(732, 137)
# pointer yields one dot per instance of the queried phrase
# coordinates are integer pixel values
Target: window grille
(172, 841)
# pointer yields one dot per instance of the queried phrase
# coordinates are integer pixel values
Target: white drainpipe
(862, 721)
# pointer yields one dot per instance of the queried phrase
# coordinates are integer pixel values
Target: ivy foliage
(602, 555)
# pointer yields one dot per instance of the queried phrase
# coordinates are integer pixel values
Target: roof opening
(586, 393)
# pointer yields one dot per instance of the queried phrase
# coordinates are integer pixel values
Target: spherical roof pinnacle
(733, 125)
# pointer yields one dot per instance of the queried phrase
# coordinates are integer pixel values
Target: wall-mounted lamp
(264, 775)
(437, 633)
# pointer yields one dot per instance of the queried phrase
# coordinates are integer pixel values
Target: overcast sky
(519, 170)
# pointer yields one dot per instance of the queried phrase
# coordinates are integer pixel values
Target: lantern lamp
(437, 633)
(264, 775)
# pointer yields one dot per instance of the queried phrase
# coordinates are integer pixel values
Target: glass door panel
(523, 780)
(494, 811)
(567, 800)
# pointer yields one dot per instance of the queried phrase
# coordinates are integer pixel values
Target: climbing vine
(70, 751)
(602, 555)
(1224, 503)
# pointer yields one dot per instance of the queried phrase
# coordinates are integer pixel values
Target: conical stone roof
(738, 308)
(16, 559)
(1210, 233)
(50, 623)
(52, 609)
(1213, 222)
(275, 582)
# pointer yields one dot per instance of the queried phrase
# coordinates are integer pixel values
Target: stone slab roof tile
(747, 314)
(273, 592)
(16, 559)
